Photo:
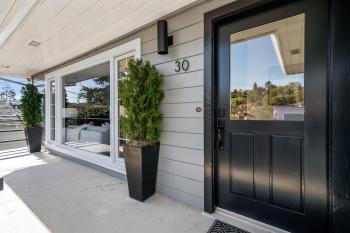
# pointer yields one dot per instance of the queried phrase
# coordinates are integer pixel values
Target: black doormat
(222, 227)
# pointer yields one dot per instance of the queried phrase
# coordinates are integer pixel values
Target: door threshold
(245, 223)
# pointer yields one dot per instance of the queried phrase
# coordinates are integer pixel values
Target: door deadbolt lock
(221, 134)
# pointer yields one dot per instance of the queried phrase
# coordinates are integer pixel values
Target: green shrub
(31, 106)
(140, 96)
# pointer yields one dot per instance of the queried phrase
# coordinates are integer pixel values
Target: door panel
(287, 176)
(242, 163)
(263, 168)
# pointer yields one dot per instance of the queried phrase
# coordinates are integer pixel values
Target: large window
(267, 72)
(86, 109)
(84, 119)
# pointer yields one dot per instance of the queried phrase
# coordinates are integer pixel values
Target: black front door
(271, 112)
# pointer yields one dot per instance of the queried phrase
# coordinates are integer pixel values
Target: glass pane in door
(122, 73)
(267, 71)
(52, 109)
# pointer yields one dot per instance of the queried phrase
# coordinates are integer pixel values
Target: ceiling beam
(12, 81)
(24, 7)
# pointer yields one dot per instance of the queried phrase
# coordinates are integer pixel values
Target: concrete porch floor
(45, 193)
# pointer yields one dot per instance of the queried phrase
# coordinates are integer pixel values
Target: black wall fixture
(164, 41)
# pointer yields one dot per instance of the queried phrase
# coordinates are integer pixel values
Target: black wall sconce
(164, 41)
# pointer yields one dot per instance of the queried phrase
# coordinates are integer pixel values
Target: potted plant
(140, 95)
(32, 116)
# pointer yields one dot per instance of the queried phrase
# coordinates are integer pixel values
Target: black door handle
(220, 139)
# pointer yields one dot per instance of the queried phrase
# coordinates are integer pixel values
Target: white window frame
(48, 110)
(131, 48)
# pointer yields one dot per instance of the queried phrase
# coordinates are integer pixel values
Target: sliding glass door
(121, 73)
(50, 132)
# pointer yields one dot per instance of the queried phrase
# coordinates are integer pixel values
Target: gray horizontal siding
(181, 36)
(183, 125)
(185, 155)
(168, 68)
(181, 196)
(184, 95)
(176, 52)
(180, 168)
(178, 182)
(187, 140)
(189, 79)
(181, 171)
(185, 110)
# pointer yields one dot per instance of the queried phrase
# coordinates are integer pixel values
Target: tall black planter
(141, 168)
(34, 136)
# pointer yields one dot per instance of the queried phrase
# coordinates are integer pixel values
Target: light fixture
(295, 51)
(34, 43)
(164, 41)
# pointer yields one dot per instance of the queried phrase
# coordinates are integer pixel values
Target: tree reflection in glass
(87, 109)
(267, 72)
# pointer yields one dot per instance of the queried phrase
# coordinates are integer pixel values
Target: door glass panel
(267, 71)
(52, 109)
(86, 109)
(122, 69)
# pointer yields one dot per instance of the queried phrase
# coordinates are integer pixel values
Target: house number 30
(182, 65)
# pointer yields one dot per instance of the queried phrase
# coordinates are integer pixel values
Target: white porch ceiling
(68, 28)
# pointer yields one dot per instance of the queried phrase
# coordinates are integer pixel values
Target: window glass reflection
(52, 110)
(122, 74)
(267, 72)
(86, 111)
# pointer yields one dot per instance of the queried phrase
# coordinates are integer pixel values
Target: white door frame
(48, 109)
(131, 48)
(115, 97)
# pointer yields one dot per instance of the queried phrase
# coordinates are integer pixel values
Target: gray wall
(181, 172)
